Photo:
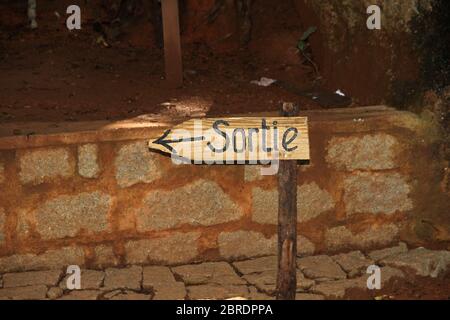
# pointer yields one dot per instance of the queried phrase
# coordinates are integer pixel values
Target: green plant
(303, 45)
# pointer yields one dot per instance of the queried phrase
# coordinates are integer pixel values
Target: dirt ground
(51, 74)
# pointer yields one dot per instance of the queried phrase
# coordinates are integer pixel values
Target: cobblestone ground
(318, 277)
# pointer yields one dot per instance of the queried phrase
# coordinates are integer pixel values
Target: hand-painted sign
(232, 140)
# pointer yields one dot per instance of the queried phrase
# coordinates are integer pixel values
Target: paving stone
(205, 201)
(320, 267)
(38, 292)
(32, 278)
(424, 262)
(303, 283)
(127, 278)
(88, 166)
(66, 216)
(370, 152)
(45, 164)
(51, 259)
(257, 295)
(110, 294)
(162, 282)
(82, 295)
(134, 164)
(173, 291)
(154, 276)
(214, 291)
(265, 281)
(378, 255)
(130, 295)
(352, 262)
(337, 289)
(218, 280)
(376, 193)
(257, 265)
(341, 237)
(90, 279)
(248, 244)
(175, 248)
(54, 293)
(208, 272)
(388, 273)
(308, 296)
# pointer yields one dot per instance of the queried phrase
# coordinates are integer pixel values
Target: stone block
(174, 291)
(208, 272)
(88, 166)
(37, 292)
(32, 278)
(312, 202)
(127, 278)
(378, 255)
(66, 216)
(82, 295)
(375, 235)
(369, 152)
(51, 259)
(320, 267)
(90, 280)
(104, 256)
(245, 244)
(44, 165)
(377, 193)
(424, 262)
(175, 248)
(216, 292)
(353, 262)
(202, 203)
(134, 164)
(154, 276)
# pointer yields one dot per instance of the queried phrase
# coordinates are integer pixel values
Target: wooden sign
(229, 140)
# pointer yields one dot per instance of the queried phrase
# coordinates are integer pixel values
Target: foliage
(303, 42)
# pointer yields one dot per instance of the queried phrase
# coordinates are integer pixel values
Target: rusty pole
(287, 221)
(172, 43)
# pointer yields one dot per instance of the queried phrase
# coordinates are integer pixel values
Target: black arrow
(166, 143)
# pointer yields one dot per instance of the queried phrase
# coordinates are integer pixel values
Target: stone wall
(100, 198)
